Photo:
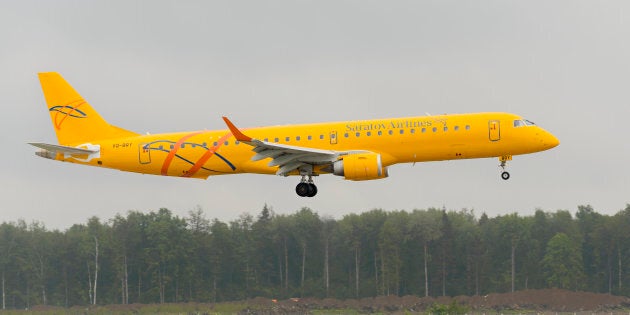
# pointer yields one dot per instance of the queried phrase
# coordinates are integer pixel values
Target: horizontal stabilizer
(63, 149)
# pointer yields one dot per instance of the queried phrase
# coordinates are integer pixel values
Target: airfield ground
(551, 301)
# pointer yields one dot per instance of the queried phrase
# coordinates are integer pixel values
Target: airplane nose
(551, 141)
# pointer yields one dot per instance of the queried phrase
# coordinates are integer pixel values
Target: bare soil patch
(548, 300)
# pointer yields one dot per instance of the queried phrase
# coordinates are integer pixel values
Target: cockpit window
(524, 122)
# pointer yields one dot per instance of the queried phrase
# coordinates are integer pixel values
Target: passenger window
(216, 143)
(391, 132)
(226, 143)
(345, 135)
(456, 128)
(434, 129)
(321, 137)
(297, 138)
(310, 138)
(205, 144)
(413, 130)
(236, 142)
(276, 140)
(287, 139)
(402, 131)
(380, 133)
(467, 127)
(172, 147)
(445, 128)
(424, 130)
(183, 145)
(266, 140)
(369, 133)
(358, 134)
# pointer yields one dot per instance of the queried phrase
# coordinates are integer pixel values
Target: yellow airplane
(357, 150)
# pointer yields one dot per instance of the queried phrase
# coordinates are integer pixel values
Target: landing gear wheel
(306, 187)
(503, 159)
(303, 189)
(312, 190)
(306, 190)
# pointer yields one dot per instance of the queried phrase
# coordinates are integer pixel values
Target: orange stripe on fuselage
(204, 158)
(171, 154)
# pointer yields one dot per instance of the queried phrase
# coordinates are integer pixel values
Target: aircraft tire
(312, 190)
(302, 189)
(505, 175)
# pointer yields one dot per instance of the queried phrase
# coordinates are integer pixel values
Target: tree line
(158, 257)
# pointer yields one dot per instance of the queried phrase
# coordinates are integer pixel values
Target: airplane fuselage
(200, 154)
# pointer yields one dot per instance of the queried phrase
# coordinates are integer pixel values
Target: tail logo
(64, 111)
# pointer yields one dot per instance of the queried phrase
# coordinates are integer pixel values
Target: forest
(159, 257)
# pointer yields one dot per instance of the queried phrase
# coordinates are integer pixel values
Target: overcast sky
(165, 66)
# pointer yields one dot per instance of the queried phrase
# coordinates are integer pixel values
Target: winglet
(237, 133)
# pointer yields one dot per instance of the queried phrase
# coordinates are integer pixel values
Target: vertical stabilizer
(74, 120)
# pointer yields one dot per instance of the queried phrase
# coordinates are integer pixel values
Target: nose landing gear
(306, 188)
(504, 158)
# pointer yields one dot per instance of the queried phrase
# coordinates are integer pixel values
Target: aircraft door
(144, 154)
(333, 137)
(494, 130)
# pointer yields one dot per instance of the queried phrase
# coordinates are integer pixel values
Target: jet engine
(360, 166)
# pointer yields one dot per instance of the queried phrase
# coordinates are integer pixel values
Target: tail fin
(74, 120)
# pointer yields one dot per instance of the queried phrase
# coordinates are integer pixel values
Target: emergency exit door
(494, 130)
(144, 154)
(333, 137)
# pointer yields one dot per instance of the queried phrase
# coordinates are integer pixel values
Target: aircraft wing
(62, 149)
(287, 157)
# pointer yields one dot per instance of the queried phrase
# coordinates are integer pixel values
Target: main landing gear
(505, 175)
(306, 188)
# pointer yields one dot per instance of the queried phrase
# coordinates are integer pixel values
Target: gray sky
(165, 66)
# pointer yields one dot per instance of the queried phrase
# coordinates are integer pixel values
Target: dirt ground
(549, 302)
(528, 301)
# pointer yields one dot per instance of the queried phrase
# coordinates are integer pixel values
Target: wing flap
(287, 158)
(266, 153)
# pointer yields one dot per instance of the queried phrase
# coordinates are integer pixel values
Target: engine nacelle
(360, 166)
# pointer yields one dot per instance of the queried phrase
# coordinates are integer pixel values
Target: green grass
(138, 309)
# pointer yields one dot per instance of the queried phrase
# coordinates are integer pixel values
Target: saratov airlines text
(389, 125)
